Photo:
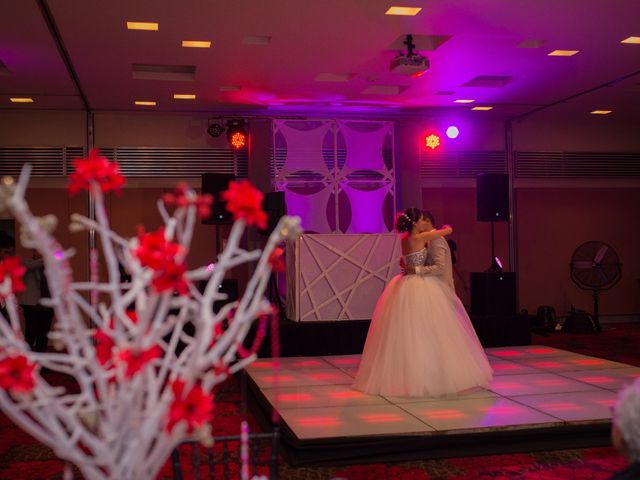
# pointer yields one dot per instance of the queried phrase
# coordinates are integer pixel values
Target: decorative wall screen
(338, 277)
(338, 175)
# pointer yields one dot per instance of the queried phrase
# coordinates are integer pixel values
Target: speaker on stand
(275, 207)
(493, 292)
(492, 202)
(214, 184)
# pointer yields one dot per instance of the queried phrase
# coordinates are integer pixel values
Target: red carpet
(21, 457)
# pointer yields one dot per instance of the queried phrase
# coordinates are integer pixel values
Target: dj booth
(338, 276)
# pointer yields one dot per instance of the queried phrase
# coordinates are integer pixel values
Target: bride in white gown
(421, 342)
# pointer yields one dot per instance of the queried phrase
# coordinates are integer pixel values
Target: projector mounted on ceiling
(411, 64)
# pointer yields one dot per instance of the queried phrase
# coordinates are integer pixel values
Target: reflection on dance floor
(533, 387)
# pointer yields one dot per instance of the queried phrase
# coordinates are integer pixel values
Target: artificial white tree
(138, 394)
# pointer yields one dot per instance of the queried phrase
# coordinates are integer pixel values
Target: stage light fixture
(432, 141)
(236, 133)
(215, 129)
(453, 132)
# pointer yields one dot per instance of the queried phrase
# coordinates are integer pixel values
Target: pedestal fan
(595, 266)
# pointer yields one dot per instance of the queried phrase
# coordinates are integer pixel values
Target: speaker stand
(493, 246)
(274, 296)
(218, 246)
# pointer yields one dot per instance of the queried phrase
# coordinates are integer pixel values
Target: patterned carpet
(21, 457)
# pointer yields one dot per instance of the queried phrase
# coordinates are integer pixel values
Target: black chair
(225, 455)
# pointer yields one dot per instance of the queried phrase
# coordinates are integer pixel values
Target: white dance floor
(533, 387)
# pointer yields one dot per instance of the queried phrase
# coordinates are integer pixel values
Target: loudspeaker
(492, 190)
(493, 293)
(274, 206)
(215, 184)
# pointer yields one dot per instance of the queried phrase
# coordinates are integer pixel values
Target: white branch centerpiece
(143, 384)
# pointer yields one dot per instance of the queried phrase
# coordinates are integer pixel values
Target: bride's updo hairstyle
(405, 221)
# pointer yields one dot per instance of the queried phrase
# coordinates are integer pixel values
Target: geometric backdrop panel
(344, 159)
(304, 148)
(364, 148)
(366, 208)
(312, 209)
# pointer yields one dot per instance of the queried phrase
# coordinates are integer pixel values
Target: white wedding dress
(421, 342)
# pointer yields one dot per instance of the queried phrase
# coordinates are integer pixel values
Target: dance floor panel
(539, 396)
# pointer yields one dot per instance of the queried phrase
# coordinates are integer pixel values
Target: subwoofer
(493, 293)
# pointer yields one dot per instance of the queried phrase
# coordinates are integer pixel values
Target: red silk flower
(179, 199)
(276, 260)
(16, 374)
(171, 278)
(136, 359)
(154, 251)
(194, 407)
(96, 169)
(10, 267)
(104, 346)
(245, 201)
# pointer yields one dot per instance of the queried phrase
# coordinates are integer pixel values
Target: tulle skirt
(421, 343)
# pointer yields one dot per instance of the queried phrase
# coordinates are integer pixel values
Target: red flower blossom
(16, 374)
(194, 407)
(133, 316)
(245, 201)
(220, 368)
(104, 346)
(171, 278)
(96, 169)
(276, 260)
(11, 268)
(154, 251)
(137, 359)
(179, 199)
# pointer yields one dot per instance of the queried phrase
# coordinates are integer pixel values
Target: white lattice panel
(338, 276)
(317, 162)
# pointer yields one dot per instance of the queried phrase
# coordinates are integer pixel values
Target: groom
(438, 256)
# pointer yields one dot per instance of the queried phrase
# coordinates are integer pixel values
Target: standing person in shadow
(7, 249)
(625, 430)
(37, 317)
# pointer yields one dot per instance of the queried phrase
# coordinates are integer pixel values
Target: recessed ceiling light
(406, 11)
(563, 53)
(21, 100)
(196, 43)
(145, 103)
(601, 112)
(184, 96)
(482, 109)
(152, 26)
(463, 100)
(635, 40)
